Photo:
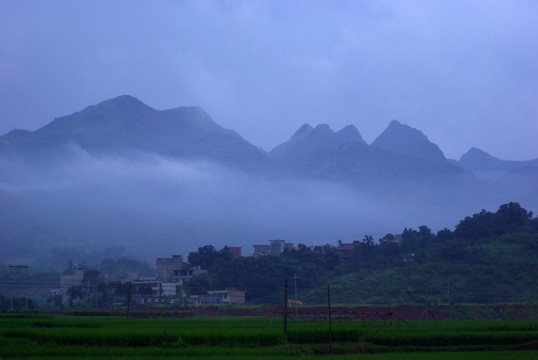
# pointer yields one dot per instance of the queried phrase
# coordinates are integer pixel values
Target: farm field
(41, 336)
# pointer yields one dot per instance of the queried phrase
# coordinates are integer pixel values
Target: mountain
(85, 181)
(477, 160)
(350, 134)
(307, 140)
(403, 139)
(124, 125)
(345, 157)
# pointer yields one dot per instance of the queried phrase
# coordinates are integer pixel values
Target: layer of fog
(154, 207)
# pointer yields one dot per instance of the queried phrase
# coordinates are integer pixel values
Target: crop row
(105, 337)
(257, 332)
(108, 337)
(453, 339)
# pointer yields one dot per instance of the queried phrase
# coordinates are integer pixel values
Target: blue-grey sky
(463, 72)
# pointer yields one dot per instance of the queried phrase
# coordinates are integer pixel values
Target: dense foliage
(489, 257)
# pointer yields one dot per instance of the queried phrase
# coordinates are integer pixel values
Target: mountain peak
(476, 159)
(303, 130)
(350, 133)
(323, 129)
(122, 102)
(474, 151)
(406, 140)
(395, 123)
(122, 98)
(125, 125)
(307, 140)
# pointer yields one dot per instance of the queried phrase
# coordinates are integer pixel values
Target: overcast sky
(463, 72)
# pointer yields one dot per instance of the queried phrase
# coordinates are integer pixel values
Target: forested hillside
(488, 257)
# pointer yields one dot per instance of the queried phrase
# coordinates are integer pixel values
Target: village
(169, 285)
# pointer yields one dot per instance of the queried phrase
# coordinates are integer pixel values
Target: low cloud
(152, 206)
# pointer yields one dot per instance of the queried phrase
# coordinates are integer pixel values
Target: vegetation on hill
(488, 258)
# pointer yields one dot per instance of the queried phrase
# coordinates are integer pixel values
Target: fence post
(286, 310)
(330, 319)
(12, 280)
(129, 301)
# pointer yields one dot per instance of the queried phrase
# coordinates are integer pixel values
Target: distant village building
(219, 297)
(346, 250)
(276, 247)
(186, 274)
(235, 250)
(262, 250)
(147, 290)
(174, 270)
(173, 274)
(67, 282)
(168, 269)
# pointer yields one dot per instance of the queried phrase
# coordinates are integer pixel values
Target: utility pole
(25, 288)
(330, 317)
(425, 313)
(448, 289)
(286, 310)
(296, 299)
(129, 301)
(11, 280)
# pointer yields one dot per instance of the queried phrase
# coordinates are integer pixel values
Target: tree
(75, 293)
(425, 236)
(388, 246)
(444, 235)
(510, 217)
(199, 284)
(478, 226)
(205, 257)
(331, 257)
(225, 255)
(410, 241)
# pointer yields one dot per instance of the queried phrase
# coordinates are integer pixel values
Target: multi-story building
(262, 250)
(219, 297)
(235, 250)
(345, 250)
(169, 269)
(69, 281)
(276, 247)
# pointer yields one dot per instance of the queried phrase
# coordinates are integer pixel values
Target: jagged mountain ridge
(124, 124)
(344, 156)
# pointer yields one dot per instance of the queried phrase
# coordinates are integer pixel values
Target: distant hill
(477, 160)
(403, 139)
(124, 124)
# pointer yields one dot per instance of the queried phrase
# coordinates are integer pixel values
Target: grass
(66, 337)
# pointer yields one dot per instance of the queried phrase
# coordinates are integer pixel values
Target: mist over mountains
(154, 183)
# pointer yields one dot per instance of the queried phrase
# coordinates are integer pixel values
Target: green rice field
(40, 336)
